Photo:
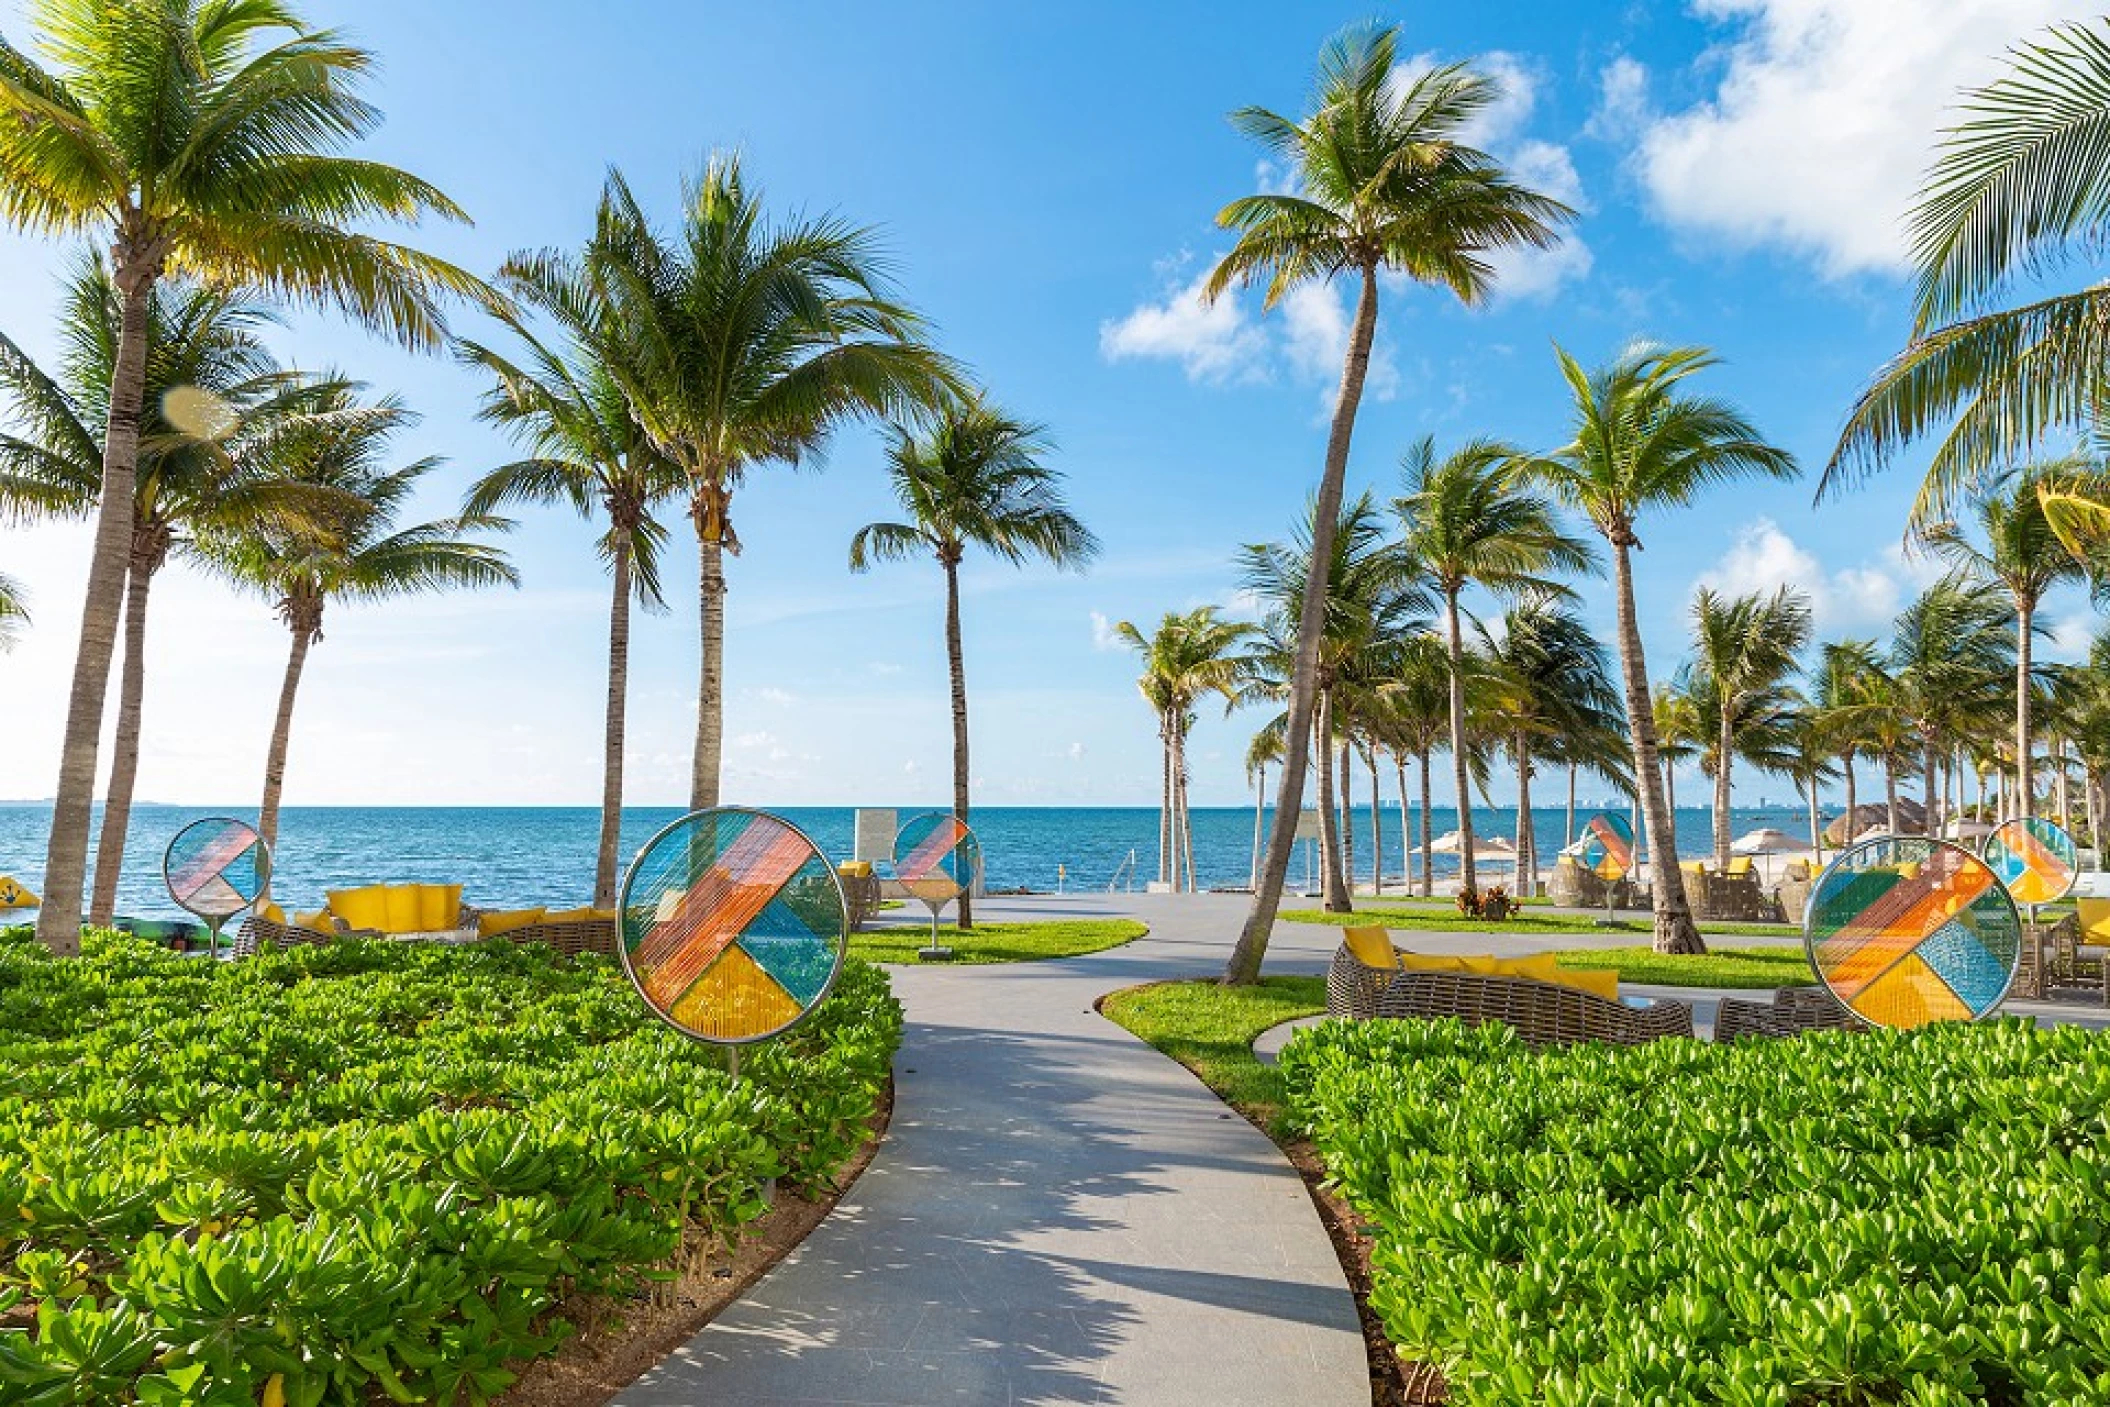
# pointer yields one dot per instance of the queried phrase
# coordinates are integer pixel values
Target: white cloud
(1622, 100)
(1212, 342)
(779, 697)
(1076, 752)
(2069, 639)
(1315, 342)
(1103, 636)
(1764, 558)
(1821, 124)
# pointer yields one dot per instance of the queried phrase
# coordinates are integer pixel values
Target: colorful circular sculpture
(216, 867)
(733, 925)
(1905, 931)
(936, 857)
(1608, 846)
(2034, 858)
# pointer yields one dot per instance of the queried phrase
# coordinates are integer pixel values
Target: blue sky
(1045, 179)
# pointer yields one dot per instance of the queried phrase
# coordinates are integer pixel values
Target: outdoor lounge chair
(1792, 1012)
(1541, 1013)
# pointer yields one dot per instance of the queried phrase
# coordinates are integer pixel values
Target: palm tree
(1952, 654)
(1262, 752)
(2015, 191)
(1643, 442)
(1745, 650)
(1682, 733)
(14, 612)
(974, 480)
(1382, 180)
(1415, 699)
(1468, 525)
(1806, 756)
(2025, 558)
(1554, 692)
(195, 136)
(563, 404)
(1189, 655)
(745, 343)
(205, 364)
(1370, 594)
(364, 556)
(1844, 668)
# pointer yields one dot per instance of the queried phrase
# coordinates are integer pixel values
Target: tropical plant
(1805, 756)
(1413, 716)
(1951, 660)
(212, 390)
(196, 136)
(1642, 442)
(1682, 732)
(975, 479)
(14, 612)
(1382, 179)
(362, 556)
(1187, 656)
(560, 399)
(1262, 752)
(1554, 695)
(746, 343)
(1745, 652)
(2024, 557)
(2020, 189)
(1467, 525)
(1844, 668)
(1370, 594)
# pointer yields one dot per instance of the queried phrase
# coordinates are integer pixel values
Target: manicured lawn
(1431, 919)
(998, 942)
(1724, 967)
(1209, 1028)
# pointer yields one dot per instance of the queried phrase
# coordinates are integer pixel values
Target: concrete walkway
(1058, 1213)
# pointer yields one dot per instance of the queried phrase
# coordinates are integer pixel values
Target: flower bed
(1886, 1218)
(363, 1171)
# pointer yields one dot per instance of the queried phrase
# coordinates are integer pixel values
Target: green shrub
(1914, 1217)
(371, 1171)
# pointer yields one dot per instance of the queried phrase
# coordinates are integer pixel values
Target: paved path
(1058, 1214)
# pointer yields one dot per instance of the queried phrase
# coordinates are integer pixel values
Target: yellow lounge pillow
(1741, 865)
(272, 913)
(317, 922)
(1598, 982)
(1539, 967)
(855, 869)
(1430, 962)
(1371, 946)
(586, 914)
(1693, 866)
(1482, 966)
(365, 908)
(2094, 915)
(439, 906)
(492, 924)
(404, 905)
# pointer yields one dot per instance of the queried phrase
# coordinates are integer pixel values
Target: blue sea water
(508, 857)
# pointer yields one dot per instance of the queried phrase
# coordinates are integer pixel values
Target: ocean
(513, 857)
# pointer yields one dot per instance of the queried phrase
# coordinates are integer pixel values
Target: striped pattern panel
(2034, 858)
(711, 914)
(215, 868)
(1925, 935)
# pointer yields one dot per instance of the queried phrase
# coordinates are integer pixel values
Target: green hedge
(367, 1172)
(1887, 1218)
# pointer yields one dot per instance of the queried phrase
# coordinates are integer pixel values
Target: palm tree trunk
(124, 758)
(2058, 754)
(2024, 762)
(1377, 828)
(1724, 760)
(956, 661)
(1186, 817)
(1166, 860)
(1251, 947)
(1930, 803)
(710, 698)
(1454, 646)
(1333, 881)
(1675, 931)
(1406, 826)
(1816, 828)
(1890, 789)
(1428, 832)
(66, 856)
(1570, 840)
(1851, 823)
(606, 853)
(1527, 875)
(1259, 812)
(1345, 796)
(281, 737)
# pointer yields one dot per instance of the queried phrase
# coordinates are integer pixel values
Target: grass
(1210, 1028)
(1725, 967)
(998, 942)
(1442, 920)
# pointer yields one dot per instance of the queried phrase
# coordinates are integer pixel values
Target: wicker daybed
(1793, 1011)
(1541, 1013)
(570, 937)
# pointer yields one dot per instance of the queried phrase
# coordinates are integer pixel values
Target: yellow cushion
(272, 913)
(1693, 866)
(317, 922)
(579, 915)
(1910, 869)
(1430, 962)
(2094, 915)
(365, 908)
(404, 904)
(1482, 966)
(1598, 982)
(1741, 865)
(855, 869)
(439, 906)
(1540, 967)
(1371, 946)
(492, 924)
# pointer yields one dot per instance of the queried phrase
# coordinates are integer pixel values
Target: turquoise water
(507, 857)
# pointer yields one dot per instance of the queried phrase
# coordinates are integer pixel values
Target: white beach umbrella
(1485, 847)
(1964, 828)
(1768, 840)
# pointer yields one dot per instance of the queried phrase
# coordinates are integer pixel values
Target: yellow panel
(1910, 995)
(735, 999)
(1370, 945)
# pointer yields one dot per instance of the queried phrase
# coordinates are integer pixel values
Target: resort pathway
(1058, 1213)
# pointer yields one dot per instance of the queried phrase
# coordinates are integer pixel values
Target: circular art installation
(1608, 846)
(936, 858)
(1905, 931)
(2034, 858)
(216, 868)
(733, 925)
